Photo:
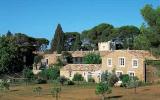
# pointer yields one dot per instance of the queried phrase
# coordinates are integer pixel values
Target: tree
(77, 43)
(67, 57)
(56, 92)
(37, 90)
(4, 85)
(102, 89)
(141, 42)
(126, 34)
(125, 79)
(92, 58)
(27, 74)
(54, 72)
(72, 41)
(109, 78)
(151, 17)
(57, 43)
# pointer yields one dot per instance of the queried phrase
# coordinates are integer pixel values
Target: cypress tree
(57, 42)
(77, 43)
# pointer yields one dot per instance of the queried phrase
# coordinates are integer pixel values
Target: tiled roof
(82, 67)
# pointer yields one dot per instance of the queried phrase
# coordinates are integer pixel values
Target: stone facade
(126, 62)
(86, 70)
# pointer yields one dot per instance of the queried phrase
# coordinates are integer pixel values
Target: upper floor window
(121, 61)
(109, 62)
(134, 63)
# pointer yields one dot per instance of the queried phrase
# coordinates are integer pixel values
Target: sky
(39, 18)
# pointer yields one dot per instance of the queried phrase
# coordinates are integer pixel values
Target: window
(131, 73)
(46, 61)
(109, 62)
(134, 63)
(121, 61)
(70, 73)
(119, 73)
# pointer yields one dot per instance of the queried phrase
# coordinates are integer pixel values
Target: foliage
(69, 82)
(92, 58)
(141, 42)
(57, 43)
(133, 83)
(109, 78)
(43, 74)
(54, 72)
(67, 57)
(37, 59)
(56, 92)
(125, 79)
(91, 79)
(4, 85)
(16, 51)
(37, 90)
(72, 41)
(27, 73)
(78, 77)
(62, 80)
(40, 81)
(102, 89)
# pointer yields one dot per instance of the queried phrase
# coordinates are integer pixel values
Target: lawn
(80, 93)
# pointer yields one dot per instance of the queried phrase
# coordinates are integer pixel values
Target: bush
(51, 73)
(92, 58)
(110, 78)
(4, 85)
(78, 77)
(37, 90)
(62, 80)
(70, 82)
(41, 81)
(54, 73)
(27, 73)
(102, 89)
(91, 80)
(125, 79)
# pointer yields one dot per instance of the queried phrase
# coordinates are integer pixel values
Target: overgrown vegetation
(92, 58)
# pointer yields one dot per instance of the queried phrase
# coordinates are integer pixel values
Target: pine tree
(57, 42)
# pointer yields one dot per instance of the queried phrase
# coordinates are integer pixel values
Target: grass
(78, 92)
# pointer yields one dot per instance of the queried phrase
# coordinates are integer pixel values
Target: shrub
(56, 92)
(110, 78)
(54, 72)
(92, 58)
(103, 88)
(62, 80)
(125, 79)
(27, 73)
(37, 90)
(78, 77)
(91, 80)
(41, 81)
(4, 85)
(70, 82)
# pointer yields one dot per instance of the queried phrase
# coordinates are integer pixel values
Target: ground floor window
(119, 73)
(131, 73)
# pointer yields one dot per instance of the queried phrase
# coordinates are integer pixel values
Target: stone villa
(130, 62)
